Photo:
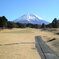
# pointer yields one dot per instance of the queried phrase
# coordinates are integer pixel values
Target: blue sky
(13, 9)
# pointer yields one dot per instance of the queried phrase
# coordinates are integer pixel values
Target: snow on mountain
(30, 18)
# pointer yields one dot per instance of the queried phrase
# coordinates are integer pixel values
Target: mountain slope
(30, 18)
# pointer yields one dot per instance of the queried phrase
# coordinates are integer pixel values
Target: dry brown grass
(55, 43)
(18, 51)
(22, 51)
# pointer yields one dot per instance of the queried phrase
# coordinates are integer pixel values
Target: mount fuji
(30, 18)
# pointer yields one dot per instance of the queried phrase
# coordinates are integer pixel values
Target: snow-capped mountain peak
(30, 18)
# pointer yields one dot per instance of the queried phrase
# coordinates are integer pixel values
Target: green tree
(11, 24)
(55, 23)
(43, 26)
(20, 25)
(3, 22)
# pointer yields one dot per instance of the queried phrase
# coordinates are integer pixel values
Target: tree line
(54, 23)
(4, 23)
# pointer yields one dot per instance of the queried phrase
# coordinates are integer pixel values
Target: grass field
(18, 31)
(17, 51)
(10, 50)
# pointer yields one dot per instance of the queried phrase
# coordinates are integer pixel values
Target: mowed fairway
(10, 47)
